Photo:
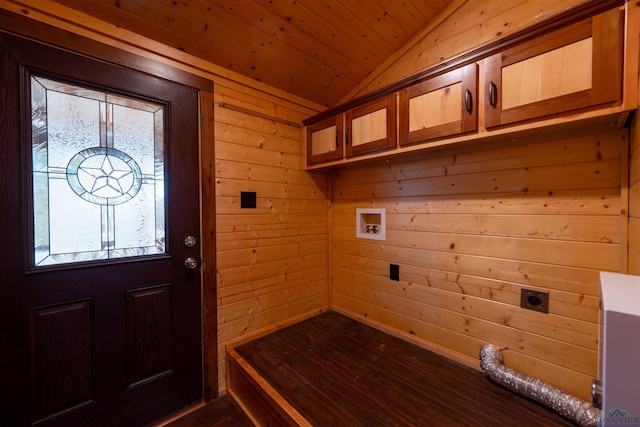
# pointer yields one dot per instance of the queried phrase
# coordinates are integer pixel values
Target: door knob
(191, 263)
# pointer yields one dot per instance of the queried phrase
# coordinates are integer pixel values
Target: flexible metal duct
(568, 406)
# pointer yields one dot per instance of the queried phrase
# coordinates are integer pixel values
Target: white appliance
(619, 361)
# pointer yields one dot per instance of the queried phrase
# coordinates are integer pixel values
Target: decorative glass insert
(98, 174)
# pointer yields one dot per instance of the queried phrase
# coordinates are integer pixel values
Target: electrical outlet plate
(248, 199)
(394, 272)
(534, 300)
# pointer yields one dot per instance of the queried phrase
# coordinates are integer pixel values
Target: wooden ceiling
(316, 49)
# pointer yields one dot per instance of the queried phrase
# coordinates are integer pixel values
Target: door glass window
(98, 174)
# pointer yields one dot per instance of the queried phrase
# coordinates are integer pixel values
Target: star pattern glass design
(98, 174)
(104, 176)
(107, 179)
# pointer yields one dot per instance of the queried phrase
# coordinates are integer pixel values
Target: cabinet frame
(468, 78)
(386, 143)
(328, 156)
(607, 33)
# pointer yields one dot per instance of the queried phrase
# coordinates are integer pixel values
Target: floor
(341, 373)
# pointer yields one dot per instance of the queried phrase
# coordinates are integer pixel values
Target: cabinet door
(579, 66)
(324, 140)
(371, 128)
(442, 106)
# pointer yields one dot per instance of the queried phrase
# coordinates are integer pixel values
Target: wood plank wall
(634, 198)
(469, 230)
(271, 260)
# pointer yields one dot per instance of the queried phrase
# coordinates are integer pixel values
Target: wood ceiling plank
(158, 23)
(430, 8)
(263, 24)
(316, 50)
(346, 20)
(381, 20)
(330, 32)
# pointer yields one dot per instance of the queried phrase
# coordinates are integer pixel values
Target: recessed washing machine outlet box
(371, 223)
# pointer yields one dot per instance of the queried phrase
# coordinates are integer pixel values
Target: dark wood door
(100, 320)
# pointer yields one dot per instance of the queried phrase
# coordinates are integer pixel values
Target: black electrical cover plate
(394, 272)
(248, 199)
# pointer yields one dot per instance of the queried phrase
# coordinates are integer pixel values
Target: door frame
(15, 24)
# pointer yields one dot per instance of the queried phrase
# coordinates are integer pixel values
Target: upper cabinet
(438, 107)
(324, 140)
(575, 67)
(371, 127)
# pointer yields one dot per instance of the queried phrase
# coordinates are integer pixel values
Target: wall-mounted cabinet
(367, 129)
(576, 67)
(324, 140)
(371, 127)
(439, 107)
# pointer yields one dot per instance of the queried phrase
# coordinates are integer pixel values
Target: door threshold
(179, 414)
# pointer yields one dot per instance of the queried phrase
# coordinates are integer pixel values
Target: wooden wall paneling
(501, 333)
(470, 229)
(271, 260)
(555, 326)
(624, 201)
(583, 282)
(600, 229)
(603, 256)
(574, 303)
(633, 252)
(632, 87)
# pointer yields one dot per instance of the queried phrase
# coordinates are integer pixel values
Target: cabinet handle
(337, 138)
(468, 101)
(346, 136)
(493, 94)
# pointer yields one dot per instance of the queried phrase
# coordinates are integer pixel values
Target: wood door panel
(377, 120)
(104, 342)
(148, 334)
(61, 357)
(569, 69)
(439, 107)
(324, 140)
(544, 81)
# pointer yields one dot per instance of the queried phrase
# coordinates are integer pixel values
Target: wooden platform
(222, 412)
(331, 370)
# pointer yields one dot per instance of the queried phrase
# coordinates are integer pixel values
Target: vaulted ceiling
(316, 49)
